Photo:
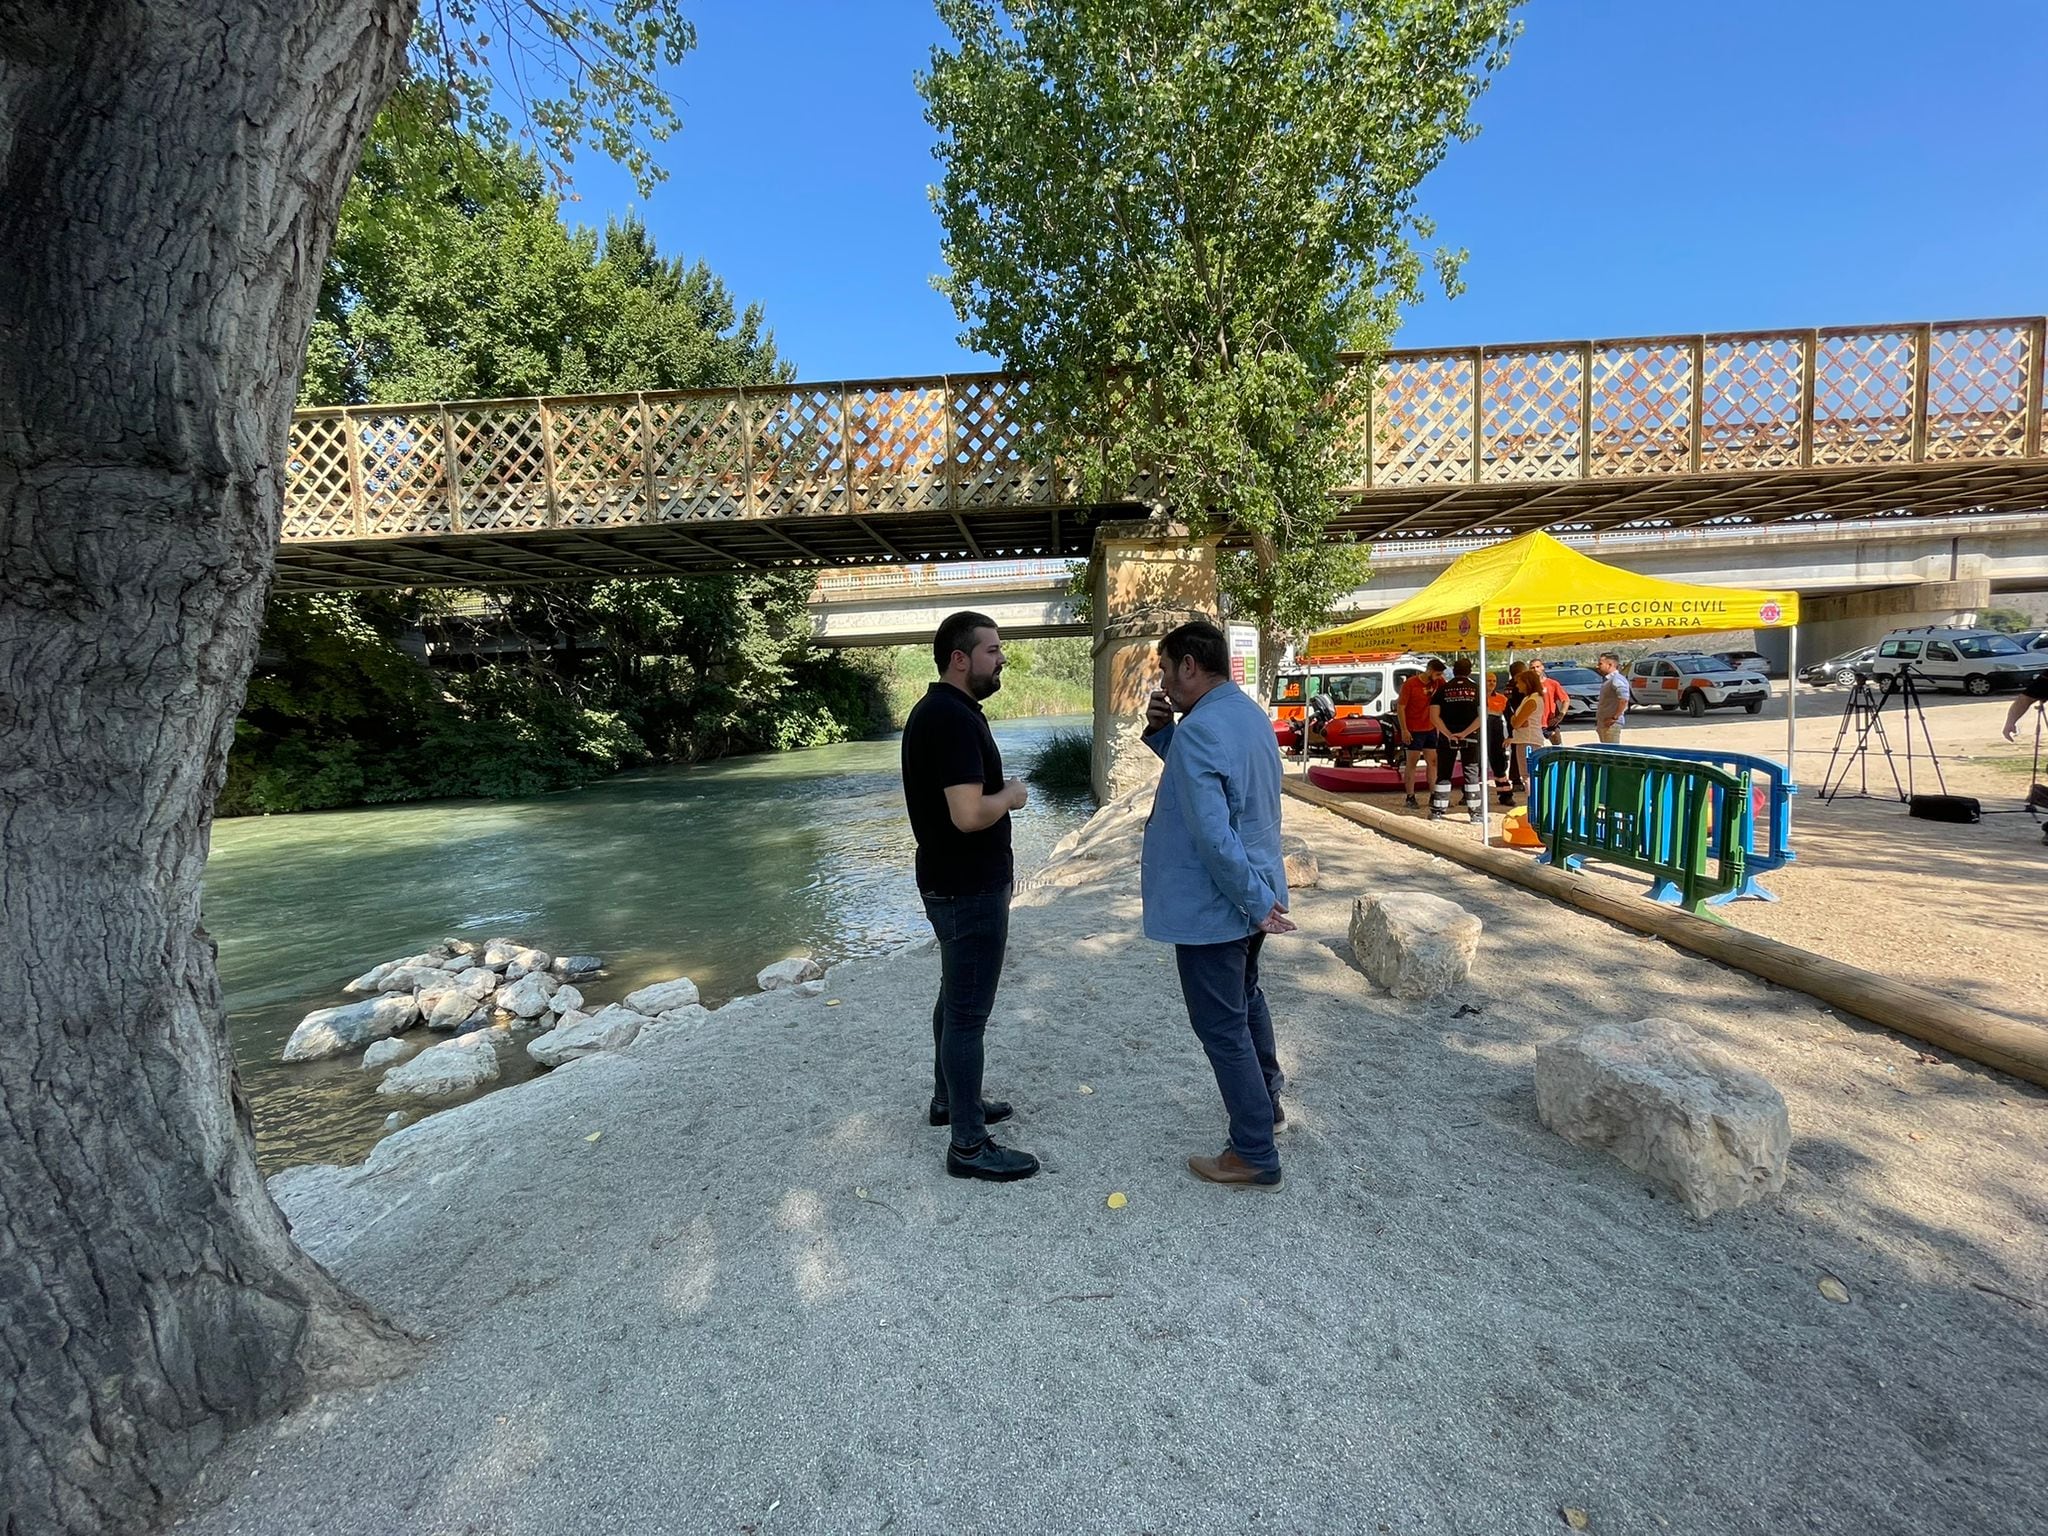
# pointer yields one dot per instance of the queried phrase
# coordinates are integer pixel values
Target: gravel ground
(754, 1303)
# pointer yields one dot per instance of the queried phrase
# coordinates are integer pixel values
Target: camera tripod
(1864, 715)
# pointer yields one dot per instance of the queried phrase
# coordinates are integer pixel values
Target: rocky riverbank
(721, 1270)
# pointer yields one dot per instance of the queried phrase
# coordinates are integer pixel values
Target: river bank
(724, 1272)
(710, 871)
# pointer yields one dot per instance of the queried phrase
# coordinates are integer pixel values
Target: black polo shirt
(1457, 702)
(947, 741)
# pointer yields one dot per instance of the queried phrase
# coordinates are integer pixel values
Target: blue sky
(1645, 167)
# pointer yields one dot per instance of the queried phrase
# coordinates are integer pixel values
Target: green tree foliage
(2007, 621)
(1176, 216)
(468, 286)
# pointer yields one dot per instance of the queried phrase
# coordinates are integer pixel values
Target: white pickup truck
(1694, 683)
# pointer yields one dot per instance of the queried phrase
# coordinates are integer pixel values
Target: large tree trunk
(170, 175)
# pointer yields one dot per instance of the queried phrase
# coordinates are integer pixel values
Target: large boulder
(577, 967)
(526, 961)
(662, 996)
(499, 952)
(479, 982)
(466, 961)
(441, 1071)
(1298, 862)
(527, 998)
(1658, 1097)
(567, 999)
(1412, 943)
(459, 946)
(334, 1031)
(788, 973)
(675, 1018)
(580, 1034)
(367, 982)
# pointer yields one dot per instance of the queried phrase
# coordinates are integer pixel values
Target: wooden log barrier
(1910, 1010)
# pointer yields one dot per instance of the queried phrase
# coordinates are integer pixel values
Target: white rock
(1412, 943)
(411, 975)
(675, 1018)
(459, 946)
(565, 999)
(395, 1119)
(662, 996)
(332, 1031)
(812, 988)
(526, 998)
(576, 967)
(367, 982)
(453, 1066)
(384, 1053)
(479, 982)
(462, 962)
(499, 952)
(787, 973)
(456, 1010)
(526, 961)
(1667, 1104)
(1299, 863)
(585, 1034)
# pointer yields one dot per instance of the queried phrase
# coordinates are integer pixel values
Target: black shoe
(1437, 815)
(993, 1112)
(989, 1161)
(1411, 803)
(1279, 1115)
(1507, 802)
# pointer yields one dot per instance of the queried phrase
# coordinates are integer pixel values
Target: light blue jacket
(1211, 869)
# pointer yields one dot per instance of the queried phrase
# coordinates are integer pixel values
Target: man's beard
(982, 685)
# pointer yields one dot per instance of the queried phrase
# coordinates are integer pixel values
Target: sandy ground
(721, 1282)
(1960, 908)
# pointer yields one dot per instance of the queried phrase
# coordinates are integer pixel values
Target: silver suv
(1974, 660)
(1694, 683)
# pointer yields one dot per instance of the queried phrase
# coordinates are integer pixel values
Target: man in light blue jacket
(1213, 883)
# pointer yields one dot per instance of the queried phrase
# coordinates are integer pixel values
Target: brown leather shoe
(1228, 1168)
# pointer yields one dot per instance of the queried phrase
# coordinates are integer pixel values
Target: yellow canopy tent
(1534, 591)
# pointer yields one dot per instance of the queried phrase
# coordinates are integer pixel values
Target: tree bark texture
(170, 176)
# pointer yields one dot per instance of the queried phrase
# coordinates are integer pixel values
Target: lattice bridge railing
(1645, 407)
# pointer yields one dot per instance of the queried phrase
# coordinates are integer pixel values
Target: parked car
(1745, 661)
(1581, 686)
(1978, 661)
(1694, 683)
(2032, 640)
(1842, 671)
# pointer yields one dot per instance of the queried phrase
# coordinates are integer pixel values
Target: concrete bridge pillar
(1832, 623)
(1145, 577)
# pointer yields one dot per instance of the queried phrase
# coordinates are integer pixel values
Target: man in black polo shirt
(960, 806)
(1457, 717)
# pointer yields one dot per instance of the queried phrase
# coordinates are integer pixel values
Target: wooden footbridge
(1736, 428)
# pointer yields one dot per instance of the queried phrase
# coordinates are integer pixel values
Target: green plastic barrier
(1645, 812)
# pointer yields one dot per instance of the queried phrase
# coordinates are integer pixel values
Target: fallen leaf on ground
(1574, 1517)
(860, 1194)
(1833, 1289)
(593, 1135)
(1914, 1136)
(1116, 1202)
(832, 1002)
(1086, 1089)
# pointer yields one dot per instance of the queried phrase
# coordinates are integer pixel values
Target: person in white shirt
(1614, 697)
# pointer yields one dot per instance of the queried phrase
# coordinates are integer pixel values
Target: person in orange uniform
(1418, 735)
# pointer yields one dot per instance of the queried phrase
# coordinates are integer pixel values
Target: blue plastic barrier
(1645, 812)
(1768, 836)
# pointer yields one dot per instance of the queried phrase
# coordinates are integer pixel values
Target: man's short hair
(1203, 641)
(1610, 656)
(1462, 667)
(1435, 664)
(957, 634)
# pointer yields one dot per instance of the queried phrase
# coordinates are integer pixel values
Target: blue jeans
(973, 931)
(1229, 1013)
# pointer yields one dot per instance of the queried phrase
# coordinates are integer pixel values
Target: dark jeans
(1229, 1013)
(973, 932)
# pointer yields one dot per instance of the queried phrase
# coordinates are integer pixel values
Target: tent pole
(1791, 703)
(1485, 728)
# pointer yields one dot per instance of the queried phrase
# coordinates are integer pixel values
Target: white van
(1977, 661)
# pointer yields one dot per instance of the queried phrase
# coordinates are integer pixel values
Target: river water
(709, 872)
